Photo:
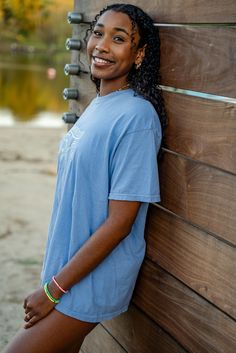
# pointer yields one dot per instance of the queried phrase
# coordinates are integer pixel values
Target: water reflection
(31, 87)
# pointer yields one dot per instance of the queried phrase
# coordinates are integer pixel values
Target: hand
(36, 305)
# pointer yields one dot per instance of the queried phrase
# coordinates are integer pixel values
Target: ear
(140, 55)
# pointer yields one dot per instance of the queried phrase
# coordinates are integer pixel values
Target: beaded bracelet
(58, 285)
(48, 294)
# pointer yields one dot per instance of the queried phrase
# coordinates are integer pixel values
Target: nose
(102, 45)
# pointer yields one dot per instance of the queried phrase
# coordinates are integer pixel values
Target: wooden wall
(185, 297)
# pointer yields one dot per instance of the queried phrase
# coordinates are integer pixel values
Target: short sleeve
(134, 169)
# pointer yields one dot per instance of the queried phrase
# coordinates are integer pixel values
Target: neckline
(112, 94)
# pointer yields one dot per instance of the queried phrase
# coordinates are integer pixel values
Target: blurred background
(32, 59)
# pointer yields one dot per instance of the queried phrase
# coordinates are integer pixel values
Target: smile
(101, 61)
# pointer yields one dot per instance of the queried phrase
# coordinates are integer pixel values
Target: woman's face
(112, 47)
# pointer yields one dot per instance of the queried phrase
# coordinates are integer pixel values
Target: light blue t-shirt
(110, 153)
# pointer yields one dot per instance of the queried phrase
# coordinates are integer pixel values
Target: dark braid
(145, 80)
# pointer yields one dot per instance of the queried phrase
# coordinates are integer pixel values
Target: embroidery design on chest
(70, 141)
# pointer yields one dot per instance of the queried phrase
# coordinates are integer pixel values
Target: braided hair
(145, 79)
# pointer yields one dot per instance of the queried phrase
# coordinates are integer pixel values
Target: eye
(97, 33)
(118, 39)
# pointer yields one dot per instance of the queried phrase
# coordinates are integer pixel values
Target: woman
(107, 175)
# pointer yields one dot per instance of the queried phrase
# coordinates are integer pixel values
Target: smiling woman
(96, 239)
(113, 50)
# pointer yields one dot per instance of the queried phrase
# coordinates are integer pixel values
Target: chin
(100, 76)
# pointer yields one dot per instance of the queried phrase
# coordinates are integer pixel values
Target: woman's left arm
(117, 226)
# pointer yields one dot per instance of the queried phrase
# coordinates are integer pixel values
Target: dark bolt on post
(73, 44)
(72, 69)
(70, 93)
(70, 118)
(74, 17)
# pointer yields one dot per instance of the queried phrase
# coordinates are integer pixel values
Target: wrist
(54, 290)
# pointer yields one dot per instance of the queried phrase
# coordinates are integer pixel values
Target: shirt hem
(83, 317)
(134, 197)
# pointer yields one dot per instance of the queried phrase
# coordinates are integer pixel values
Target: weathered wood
(138, 334)
(199, 59)
(100, 341)
(204, 263)
(202, 129)
(194, 322)
(199, 193)
(172, 11)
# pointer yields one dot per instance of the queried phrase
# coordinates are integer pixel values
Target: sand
(27, 181)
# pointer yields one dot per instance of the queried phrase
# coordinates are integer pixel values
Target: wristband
(48, 294)
(58, 285)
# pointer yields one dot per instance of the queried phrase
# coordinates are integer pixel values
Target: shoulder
(139, 114)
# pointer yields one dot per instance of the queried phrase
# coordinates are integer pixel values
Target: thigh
(56, 333)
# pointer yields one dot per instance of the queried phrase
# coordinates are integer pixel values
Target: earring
(138, 66)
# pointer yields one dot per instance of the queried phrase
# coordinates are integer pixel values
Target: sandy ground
(27, 181)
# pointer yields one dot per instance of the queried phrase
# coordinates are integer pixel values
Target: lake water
(31, 88)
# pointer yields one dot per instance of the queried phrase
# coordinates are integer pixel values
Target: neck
(107, 88)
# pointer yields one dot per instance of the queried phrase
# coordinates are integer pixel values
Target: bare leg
(56, 333)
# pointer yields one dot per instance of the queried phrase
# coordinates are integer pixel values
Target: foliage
(28, 21)
(25, 15)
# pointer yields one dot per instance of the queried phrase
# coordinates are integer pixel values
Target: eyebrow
(116, 28)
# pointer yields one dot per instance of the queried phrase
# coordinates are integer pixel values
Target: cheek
(128, 57)
(90, 46)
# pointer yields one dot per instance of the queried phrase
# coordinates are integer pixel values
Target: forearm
(96, 248)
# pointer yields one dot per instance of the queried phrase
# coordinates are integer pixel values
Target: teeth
(98, 60)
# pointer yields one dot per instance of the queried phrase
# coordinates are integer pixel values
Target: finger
(27, 318)
(27, 310)
(29, 315)
(32, 321)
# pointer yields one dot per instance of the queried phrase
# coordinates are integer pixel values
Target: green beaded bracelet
(48, 294)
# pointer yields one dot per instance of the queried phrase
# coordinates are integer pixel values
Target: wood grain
(199, 193)
(202, 129)
(100, 341)
(194, 322)
(199, 59)
(204, 263)
(138, 334)
(172, 11)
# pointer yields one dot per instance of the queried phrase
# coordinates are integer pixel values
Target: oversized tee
(109, 154)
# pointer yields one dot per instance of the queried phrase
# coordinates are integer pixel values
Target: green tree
(24, 15)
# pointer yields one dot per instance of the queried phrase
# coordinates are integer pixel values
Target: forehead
(112, 19)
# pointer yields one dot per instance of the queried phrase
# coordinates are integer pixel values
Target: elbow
(124, 233)
(120, 229)
(127, 230)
